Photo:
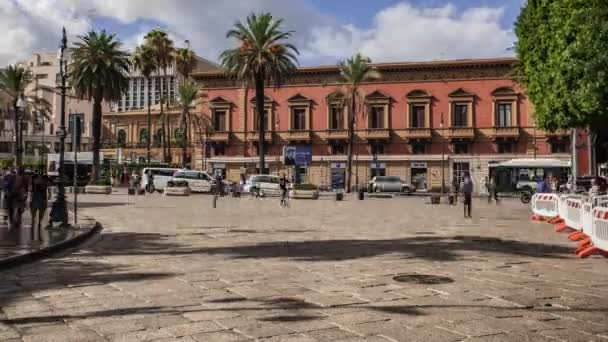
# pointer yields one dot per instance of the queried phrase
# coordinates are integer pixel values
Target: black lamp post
(59, 210)
(442, 155)
(20, 108)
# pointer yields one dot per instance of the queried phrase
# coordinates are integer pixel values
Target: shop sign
(219, 165)
(298, 155)
(418, 165)
(376, 165)
(338, 165)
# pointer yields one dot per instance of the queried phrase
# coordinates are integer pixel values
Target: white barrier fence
(599, 233)
(545, 205)
(574, 213)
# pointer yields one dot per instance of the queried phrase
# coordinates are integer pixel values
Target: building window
(298, 119)
(122, 137)
(336, 117)
(418, 149)
(460, 115)
(461, 148)
(505, 148)
(219, 150)
(377, 149)
(559, 147)
(459, 170)
(158, 137)
(418, 116)
(219, 120)
(51, 129)
(337, 149)
(503, 115)
(255, 120)
(42, 76)
(5, 147)
(143, 135)
(376, 119)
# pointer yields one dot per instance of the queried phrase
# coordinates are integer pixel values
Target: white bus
(523, 175)
(160, 177)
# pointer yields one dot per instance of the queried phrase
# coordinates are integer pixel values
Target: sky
(325, 31)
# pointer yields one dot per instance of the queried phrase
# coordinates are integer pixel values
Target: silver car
(388, 184)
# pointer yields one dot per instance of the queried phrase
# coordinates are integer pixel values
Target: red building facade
(472, 110)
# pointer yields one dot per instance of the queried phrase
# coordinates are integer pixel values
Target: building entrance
(419, 176)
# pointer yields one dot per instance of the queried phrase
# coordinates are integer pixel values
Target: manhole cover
(423, 279)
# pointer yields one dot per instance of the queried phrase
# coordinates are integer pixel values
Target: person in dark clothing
(455, 188)
(492, 189)
(283, 185)
(467, 190)
(39, 201)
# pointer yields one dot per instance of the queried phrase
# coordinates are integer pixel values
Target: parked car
(265, 184)
(161, 176)
(389, 184)
(198, 181)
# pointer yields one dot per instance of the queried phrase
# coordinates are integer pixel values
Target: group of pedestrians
(17, 188)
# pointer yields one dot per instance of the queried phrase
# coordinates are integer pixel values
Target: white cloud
(400, 32)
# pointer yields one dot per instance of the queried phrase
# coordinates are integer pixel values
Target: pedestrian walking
(18, 197)
(492, 189)
(455, 189)
(149, 181)
(283, 185)
(39, 201)
(467, 190)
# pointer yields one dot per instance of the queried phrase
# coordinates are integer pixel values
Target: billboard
(297, 155)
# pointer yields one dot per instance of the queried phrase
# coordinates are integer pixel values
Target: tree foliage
(563, 63)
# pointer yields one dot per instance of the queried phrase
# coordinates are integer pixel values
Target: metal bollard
(214, 201)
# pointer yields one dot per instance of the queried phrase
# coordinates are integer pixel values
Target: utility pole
(442, 155)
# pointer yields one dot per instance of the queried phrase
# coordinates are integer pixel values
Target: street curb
(19, 260)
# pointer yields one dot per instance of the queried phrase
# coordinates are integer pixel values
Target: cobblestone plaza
(391, 269)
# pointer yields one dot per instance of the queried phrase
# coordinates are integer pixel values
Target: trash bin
(451, 199)
(361, 195)
(435, 199)
(131, 191)
(339, 196)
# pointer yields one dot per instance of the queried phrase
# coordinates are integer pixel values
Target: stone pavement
(175, 269)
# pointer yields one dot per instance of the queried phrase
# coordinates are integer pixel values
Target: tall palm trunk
(259, 107)
(96, 137)
(149, 124)
(167, 118)
(18, 153)
(184, 138)
(162, 136)
(351, 141)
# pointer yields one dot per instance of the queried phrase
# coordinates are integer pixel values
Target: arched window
(143, 135)
(177, 134)
(122, 137)
(158, 137)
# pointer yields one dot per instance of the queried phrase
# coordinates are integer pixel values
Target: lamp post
(59, 210)
(18, 132)
(442, 155)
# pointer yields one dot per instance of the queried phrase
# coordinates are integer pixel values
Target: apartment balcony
(418, 133)
(505, 133)
(255, 136)
(335, 134)
(558, 134)
(298, 135)
(219, 137)
(456, 133)
(376, 134)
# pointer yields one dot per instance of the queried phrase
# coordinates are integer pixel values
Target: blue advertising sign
(300, 155)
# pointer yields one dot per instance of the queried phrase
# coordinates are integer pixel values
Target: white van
(267, 184)
(160, 176)
(198, 181)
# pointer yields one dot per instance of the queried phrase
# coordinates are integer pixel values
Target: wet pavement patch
(423, 279)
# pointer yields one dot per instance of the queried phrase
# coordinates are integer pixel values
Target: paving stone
(145, 335)
(260, 330)
(331, 334)
(188, 329)
(567, 335)
(157, 322)
(356, 317)
(220, 336)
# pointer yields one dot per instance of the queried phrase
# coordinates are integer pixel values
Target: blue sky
(326, 30)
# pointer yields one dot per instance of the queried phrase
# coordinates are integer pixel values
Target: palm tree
(204, 128)
(13, 82)
(164, 51)
(187, 95)
(99, 71)
(354, 70)
(144, 61)
(185, 62)
(262, 55)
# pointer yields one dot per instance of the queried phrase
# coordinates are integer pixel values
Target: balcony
(298, 135)
(418, 133)
(505, 133)
(558, 134)
(219, 136)
(461, 133)
(255, 136)
(376, 134)
(335, 134)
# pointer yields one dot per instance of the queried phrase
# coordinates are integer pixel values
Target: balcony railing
(335, 134)
(376, 133)
(113, 145)
(418, 133)
(461, 133)
(219, 136)
(255, 136)
(505, 132)
(560, 133)
(303, 135)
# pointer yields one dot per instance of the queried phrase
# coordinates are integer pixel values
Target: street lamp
(18, 132)
(59, 210)
(442, 155)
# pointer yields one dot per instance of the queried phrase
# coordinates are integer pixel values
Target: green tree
(561, 47)
(187, 95)
(144, 61)
(13, 83)
(185, 62)
(355, 71)
(164, 51)
(262, 56)
(98, 70)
